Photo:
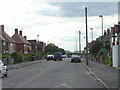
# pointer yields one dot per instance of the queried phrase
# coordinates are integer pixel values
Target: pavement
(51, 74)
(108, 75)
(23, 64)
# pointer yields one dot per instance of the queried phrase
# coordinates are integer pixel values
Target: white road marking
(67, 86)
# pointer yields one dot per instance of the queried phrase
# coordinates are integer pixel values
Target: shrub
(110, 61)
(6, 55)
(16, 57)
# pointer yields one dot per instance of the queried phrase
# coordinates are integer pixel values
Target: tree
(52, 48)
(96, 46)
(61, 50)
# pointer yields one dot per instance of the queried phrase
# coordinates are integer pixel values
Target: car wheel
(55, 60)
(61, 59)
(5, 74)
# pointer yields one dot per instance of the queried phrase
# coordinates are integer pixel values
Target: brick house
(42, 44)
(107, 38)
(37, 46)
(34, 45)
(22, 46)
(2, 43)
(114, 35)
(8, 44)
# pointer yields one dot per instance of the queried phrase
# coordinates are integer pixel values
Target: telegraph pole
(76, 45)
(86, 36)
(92, 33)
(79, 42)
(37, 37)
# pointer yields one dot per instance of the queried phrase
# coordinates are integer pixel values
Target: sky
(56, 21)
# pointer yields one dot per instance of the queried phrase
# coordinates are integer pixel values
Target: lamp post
(86, 36)
(102, 27)
(92, 33)
(79, 42)
(37, 37)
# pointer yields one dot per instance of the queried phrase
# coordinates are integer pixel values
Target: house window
(4, 43)
(11, 44)
(30, 48)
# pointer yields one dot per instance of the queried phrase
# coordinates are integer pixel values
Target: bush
(105, 61)
(38, 56)
(110, 61)
(6, 55)
(100, 53)
(16, 57)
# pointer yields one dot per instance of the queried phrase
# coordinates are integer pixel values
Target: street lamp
(79, 41)
(102, 27)
(37, 37)
(92, 33)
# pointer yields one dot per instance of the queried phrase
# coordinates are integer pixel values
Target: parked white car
(64, 56)
(3, 69)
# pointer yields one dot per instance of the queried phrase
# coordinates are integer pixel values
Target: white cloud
(60, 31)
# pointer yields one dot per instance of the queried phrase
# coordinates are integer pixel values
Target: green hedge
(26, 57)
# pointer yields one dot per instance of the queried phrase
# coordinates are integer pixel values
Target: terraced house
(22, 46)
(8, 44)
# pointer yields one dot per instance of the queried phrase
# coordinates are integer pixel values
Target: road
(50, 74)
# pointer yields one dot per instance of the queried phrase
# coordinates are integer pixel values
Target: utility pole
(76, 45)
(92, 33)
(102, 28)
(86, 36)
(79, 42)
(37, 37)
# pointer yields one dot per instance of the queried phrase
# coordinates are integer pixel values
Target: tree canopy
(95, 47)
(52, 48)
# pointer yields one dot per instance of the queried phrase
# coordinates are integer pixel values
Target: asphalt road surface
(51, 74)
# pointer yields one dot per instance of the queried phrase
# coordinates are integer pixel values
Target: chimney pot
(108, 31)
(25, 37)
(20, 32)
(119, 22)
(104, 32)
(2, 27)
(16, 31)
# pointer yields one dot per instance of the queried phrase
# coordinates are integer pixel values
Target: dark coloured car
(75, 58)
(50, 57)
(57, 56)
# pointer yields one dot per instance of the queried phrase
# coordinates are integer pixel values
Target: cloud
(76, 9)
(56, 22)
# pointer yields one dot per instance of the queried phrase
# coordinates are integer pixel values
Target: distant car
(50, 57)
(64, 56)
(3, 69)
(75, 58)
(57, 56)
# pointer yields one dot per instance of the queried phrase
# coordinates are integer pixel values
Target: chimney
(119, 22)
(16, 31)
(25, 37)
(112, 30)
(104, 32)
(20, 32)
(2, 27)
(108, 31)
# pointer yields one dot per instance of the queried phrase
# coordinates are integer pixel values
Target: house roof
(6, 37)
(19, 39)
(2, 37)
(106, 38)
(33, 42)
